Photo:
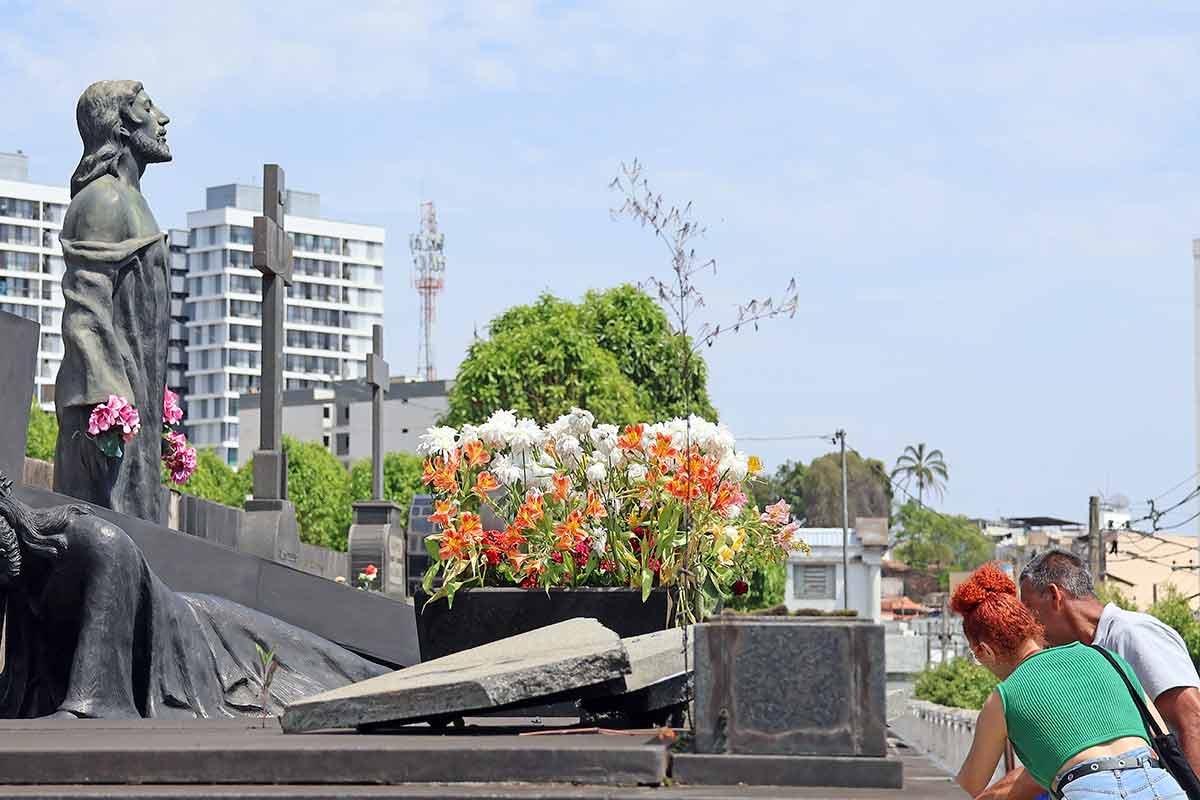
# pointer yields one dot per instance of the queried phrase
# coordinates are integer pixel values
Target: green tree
(928, 540)
(401, 478)
(870, 491)
(785, 484)
(319, 487)
(217, 481)
(613, 353)
(42, 434)
(926, 468)
(1107, 592)
(1175, 610)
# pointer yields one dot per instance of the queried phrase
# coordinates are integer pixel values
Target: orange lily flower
(486, 482)
(562, 486)
(442, 513)
(595, 509)
(631, 439)
(662, 449)
(569, 532)
(475, 454)
(472, 528)
(429, 472)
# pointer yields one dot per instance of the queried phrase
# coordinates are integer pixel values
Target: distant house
(816, 581)
(1144, 567)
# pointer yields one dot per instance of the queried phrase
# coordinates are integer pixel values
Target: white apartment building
(817, 580)
(31, 262)
(336, 296)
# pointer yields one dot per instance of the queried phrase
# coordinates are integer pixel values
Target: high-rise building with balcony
(31, 262)
(335, 298)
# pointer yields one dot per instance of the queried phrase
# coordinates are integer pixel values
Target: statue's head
(115, 118)
(28, 532)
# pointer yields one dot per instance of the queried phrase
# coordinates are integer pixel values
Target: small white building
(816, 580)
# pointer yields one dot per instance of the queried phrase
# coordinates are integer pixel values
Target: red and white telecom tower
(428, 278)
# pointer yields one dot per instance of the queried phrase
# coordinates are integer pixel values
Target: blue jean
(1140, 783)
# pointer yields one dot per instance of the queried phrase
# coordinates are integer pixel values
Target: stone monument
(114, 642)
(17, 368)
(377, 535)
(117, 312)
(270, 528)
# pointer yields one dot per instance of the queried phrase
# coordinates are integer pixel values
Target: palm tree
(927, 468)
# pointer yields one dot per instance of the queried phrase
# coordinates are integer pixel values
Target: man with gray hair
(1057, 588)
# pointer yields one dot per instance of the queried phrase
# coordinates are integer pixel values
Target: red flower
(370, 570)
(608, 565)
(740, 587)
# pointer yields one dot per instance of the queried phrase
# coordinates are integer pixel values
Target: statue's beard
(151, 150)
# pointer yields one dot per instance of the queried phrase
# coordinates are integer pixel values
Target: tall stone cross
(269, 528)
(377, 378)
(273, 258)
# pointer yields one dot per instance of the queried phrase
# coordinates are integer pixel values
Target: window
(54, 212)
(343, 444)
(19, 262)
(363, 273)
(814, 581)
(19, 234)
(239, 234)
(23, 209)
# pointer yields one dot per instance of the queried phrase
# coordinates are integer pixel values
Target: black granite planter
(480, 616)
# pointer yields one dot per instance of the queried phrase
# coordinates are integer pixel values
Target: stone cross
(377, 378)
(273, 258)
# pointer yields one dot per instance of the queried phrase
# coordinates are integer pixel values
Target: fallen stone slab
(568, 656)
(660, 677)
(145, 752)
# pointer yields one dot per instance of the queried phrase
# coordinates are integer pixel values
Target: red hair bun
(987, 581)
(991, 611)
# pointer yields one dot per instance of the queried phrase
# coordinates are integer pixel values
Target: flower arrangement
(113, 424)
(179, 458)
(581, 504)
(366, 578)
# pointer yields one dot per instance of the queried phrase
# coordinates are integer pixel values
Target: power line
(1176, 486)
(829, 437)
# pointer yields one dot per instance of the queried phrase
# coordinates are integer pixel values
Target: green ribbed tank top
(1063, 700)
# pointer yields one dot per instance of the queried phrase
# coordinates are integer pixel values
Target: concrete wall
(304, 423)
(941, 732)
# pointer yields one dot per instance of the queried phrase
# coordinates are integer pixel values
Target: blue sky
(989, 213)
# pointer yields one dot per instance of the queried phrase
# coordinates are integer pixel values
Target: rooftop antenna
(428, 278)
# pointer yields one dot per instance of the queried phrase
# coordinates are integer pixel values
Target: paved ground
(237, 755)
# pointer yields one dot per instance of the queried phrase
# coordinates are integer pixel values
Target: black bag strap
(1147, 719)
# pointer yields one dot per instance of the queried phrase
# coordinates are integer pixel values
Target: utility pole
(841, 437)
(1095, 539)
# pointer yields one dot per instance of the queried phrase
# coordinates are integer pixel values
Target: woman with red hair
(1066, 709)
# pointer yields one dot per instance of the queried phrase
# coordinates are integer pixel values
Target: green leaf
(451, 589)
(647, 583)
(109, 445)
(432, 546)
(430, 574)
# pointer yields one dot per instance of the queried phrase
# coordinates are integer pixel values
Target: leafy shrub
(1175, 611)
(1110, 593)
(958, 682)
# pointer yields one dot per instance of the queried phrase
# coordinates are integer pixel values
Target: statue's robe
(97, 634)
(115, 326)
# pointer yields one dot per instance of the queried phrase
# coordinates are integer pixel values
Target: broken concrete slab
(568, 656)
(660, 676)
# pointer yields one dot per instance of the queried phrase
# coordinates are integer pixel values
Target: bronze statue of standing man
(117, 316)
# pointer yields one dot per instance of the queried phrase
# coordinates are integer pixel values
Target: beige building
(1144, 567)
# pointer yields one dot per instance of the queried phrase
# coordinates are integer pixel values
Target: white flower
(599, 540)
(616, 458)
(580, 422)
(736, 465)
(468, 434)
(604, 437)
(636, 472)
(538, 476)
(569, 450)
(596, 472)
(438, 440)
(733, 512)
(498, 430)
(559, 427)
(526, 437)
(731, 534)
(506, 471)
